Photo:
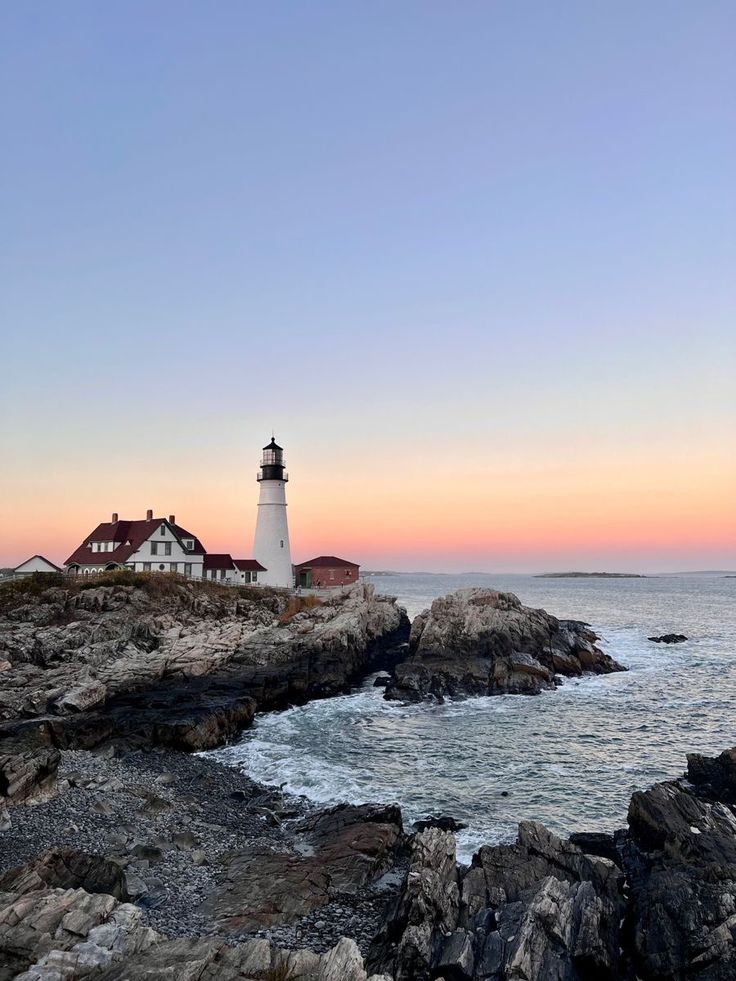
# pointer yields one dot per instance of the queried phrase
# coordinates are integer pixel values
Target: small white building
(150, 545)
(224, 568)
(36, 563)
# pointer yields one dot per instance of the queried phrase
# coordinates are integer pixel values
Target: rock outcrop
(540, 908)
(180, 664)
(481, 642)
(348, 846)
(67, 868)
(668, 639)
(680, 862)
(69, 934)
(655, 901)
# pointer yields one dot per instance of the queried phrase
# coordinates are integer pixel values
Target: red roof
(129, 535)
(326, 562)
(249, 565)
(218, 560)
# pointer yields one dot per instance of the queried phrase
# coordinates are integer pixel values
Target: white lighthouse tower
(271, 541)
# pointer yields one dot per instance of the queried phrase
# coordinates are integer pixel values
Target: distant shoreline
(590, 575)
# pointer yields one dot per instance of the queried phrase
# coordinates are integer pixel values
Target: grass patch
(297, 604)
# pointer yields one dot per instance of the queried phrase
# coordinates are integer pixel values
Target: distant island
(590, 575)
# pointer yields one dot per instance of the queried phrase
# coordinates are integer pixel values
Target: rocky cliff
(148, 661)
(482, 642)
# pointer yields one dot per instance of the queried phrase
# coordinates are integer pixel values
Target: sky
(473, 263)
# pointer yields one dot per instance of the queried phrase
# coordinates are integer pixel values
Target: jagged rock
(28, 768)
(442, 821)
(66, 868)
(481, 642)
(427, 908)
(668, 639)
(597, 843)
(62, 935)
(537, 909)
(680, 861)
(714, 777)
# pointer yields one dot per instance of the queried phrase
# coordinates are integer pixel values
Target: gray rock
(481, 642)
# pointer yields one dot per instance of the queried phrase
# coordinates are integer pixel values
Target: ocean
(568, 758)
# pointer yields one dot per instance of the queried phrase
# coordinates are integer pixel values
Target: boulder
(482, 642)
(668, 639)
(28, 767)
(66, 868)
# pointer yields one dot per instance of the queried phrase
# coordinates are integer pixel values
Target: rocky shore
(142, 661)
(163, 865)
(125, 856)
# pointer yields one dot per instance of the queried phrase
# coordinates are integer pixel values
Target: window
(189, 545)
(163, 529)
(154, 548)
(347, 573)
(332, 573)
(282, 542)
(255, 576)
(162, 568)
(222, 573)
(146, 566)
(173, 566)
(187, 568)
(167, 548)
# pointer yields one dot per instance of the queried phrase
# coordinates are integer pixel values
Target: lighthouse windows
(282, 542)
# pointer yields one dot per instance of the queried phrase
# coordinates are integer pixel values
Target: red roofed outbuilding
(325, 571)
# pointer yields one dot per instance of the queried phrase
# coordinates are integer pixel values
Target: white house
(150, 545)
(36, 563)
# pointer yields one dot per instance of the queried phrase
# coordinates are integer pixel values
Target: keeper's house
(150, 545)
(325, 571)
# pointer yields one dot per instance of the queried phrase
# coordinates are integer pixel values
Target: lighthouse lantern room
(271, 541)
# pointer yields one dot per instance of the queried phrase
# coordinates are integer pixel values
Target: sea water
(569, 758)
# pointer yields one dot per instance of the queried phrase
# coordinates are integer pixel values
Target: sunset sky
(474, 263)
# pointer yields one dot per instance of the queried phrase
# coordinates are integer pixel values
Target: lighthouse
(271, 541)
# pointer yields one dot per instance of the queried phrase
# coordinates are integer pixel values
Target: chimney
(172, 519)
(114, 517)
(149, 515)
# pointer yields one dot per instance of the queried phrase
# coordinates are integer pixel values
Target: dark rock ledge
(481, 642)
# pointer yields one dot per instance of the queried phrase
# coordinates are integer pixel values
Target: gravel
(170, 819)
